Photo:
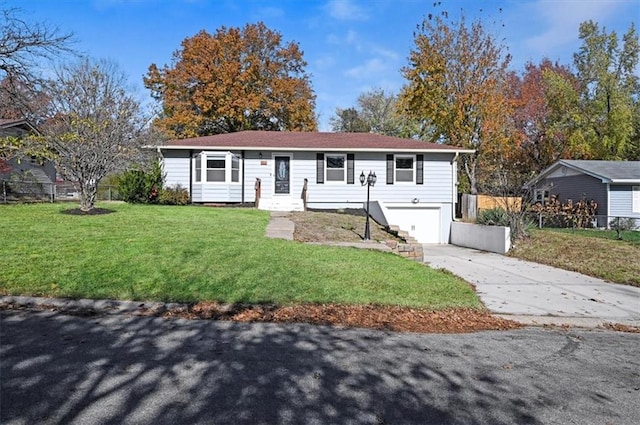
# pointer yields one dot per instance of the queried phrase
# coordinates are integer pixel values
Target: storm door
(282, 175)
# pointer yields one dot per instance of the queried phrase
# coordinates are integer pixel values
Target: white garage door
(423, 223)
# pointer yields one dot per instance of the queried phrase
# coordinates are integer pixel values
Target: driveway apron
(535, 293)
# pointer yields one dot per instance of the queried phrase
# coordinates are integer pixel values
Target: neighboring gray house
(25, 176)
(415, 189)
(614, 185)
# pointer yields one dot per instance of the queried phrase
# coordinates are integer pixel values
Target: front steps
(285, 204)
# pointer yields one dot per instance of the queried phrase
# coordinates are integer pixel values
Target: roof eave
(310, 149)
(624, 181)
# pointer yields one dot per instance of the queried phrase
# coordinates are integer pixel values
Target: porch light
(370, 181)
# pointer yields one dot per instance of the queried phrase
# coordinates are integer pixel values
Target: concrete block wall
(477, 236)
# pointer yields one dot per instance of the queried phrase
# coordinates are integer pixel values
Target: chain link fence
(583, 221)
(16, 191)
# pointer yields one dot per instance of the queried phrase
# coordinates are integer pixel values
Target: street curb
(88, 307)
(564, 321)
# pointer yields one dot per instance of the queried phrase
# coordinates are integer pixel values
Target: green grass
(189, 254)
(592, 252)
(630, 236)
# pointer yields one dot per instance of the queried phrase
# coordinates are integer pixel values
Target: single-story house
(614, 185)
(416, 187)
(25, 176)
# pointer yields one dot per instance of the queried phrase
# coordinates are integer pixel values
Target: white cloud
(351, 38)
(371, 68)
(345, 10)
(558, 21)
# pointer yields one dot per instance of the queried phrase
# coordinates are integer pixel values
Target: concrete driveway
(538, 294)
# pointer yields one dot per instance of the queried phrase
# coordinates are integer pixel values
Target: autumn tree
(95, 127)
(456, 87)
(609, 89)
(234, 80)
(546, 114)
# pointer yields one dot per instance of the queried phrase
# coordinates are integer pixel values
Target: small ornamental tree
(94, 127)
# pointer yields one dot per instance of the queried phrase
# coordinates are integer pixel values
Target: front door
(282, 175)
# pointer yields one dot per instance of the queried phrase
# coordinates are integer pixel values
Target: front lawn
(592, 252)
(190, 254)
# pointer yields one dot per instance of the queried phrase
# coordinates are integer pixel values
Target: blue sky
(351, 46)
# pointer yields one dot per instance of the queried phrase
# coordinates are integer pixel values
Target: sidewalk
(280, 227)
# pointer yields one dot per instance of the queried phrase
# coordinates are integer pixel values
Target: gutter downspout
(242, 153)
(608, 189)
(454, 186)
(191, 174)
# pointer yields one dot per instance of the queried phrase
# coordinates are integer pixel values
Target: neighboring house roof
(8, 127)
(310, 141)
(607, 171)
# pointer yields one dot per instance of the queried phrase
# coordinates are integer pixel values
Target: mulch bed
(93, 211)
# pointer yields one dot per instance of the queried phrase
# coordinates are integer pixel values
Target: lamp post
(369, 180)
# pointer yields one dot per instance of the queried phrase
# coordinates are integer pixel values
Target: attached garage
(423, 222)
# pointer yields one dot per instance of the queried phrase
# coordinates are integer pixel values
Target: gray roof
(607, 171)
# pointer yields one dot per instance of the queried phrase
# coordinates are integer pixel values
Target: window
(198, 161)
(404, 169)
(235, 169)
(336, 168)
(215, 169)
(636, 199)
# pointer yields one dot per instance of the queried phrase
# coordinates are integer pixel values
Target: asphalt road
(115, 369)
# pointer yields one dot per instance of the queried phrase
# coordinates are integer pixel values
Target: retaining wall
(485, 238)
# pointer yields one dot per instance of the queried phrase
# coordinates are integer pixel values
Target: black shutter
(420, 169)
(389, 169)
(320, 168)
(350, 159)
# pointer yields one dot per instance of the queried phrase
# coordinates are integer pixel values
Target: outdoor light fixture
(369, 180)
(260, 155)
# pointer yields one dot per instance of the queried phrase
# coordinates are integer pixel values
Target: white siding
(209, 192)
(437, 187)
(177, 168)
(621, 201)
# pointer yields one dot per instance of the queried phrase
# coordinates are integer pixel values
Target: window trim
(197, 166)
(228, 157)
(206, 169)
(635, 199)
(413, 169)
(326, 168)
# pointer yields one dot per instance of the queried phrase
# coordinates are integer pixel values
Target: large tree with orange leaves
(234, 80)
(457, 87)
(546, 115)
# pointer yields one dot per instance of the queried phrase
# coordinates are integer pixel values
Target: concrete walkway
(538, 294)
(280, 227)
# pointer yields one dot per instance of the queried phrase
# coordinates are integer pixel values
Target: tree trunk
(470, 171)
(88, 191)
